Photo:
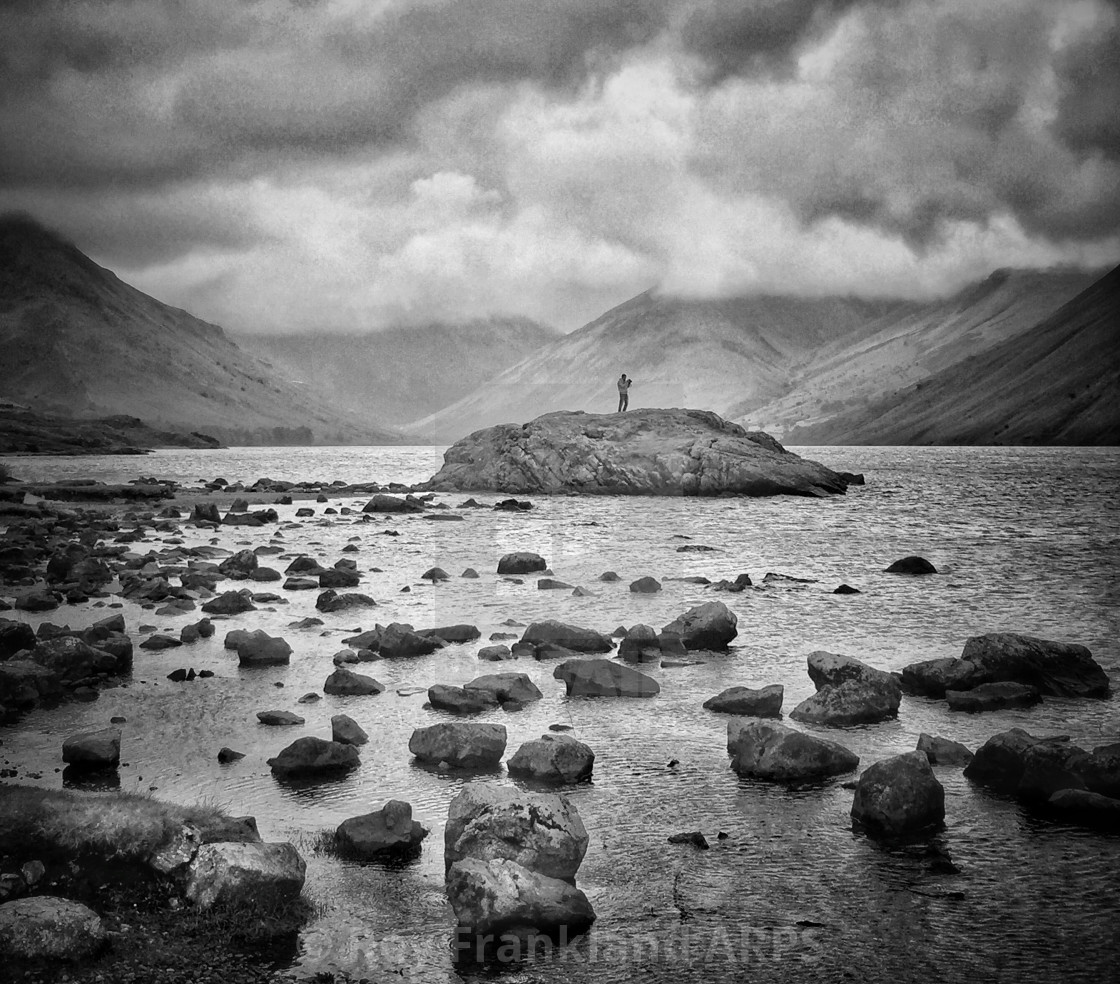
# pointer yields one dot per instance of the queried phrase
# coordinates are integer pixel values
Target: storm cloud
(345, 164)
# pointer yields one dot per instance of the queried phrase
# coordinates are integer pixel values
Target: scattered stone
(227, 755)
(279, 719)
(459, 700)
(382, 503)
(347, 731)
(347, 683)
(452, 633)
(435, 574)
(763, 703)
(851, 703)
(847, 589)
(551, 584)
(911, 565)
(694, 837)
(495, 654)
(506, 687)
(258, 648)
(470, 573)
(230, 603)
(331, 601)
(339, 578)
(521, 562)
(645, 585)
(641, 644)
(609, 577)
(943, 751)
(708, 626)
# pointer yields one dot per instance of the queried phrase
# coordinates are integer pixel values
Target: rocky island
(642, 452)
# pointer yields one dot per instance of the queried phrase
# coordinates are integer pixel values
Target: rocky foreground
(643, 452)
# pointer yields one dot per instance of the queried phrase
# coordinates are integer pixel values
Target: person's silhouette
(623, 392)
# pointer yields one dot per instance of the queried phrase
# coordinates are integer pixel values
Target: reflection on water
(1025, 540)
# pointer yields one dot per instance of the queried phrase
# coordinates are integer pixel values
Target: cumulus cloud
(343, 164)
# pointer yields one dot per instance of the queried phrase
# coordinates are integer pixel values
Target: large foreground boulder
(44, 927)
(460, 745)
(553, 758)
(604, 678)
(771, 751)
(542, 831)
(899, 795)
(708, 626)
(500, 898)
(389, 829)
(643, 452)
(254, 875)
(1056, 669)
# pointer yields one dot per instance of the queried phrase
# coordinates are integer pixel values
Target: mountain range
(1021, 356)
(828, 370)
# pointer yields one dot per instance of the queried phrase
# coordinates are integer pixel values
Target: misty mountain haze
(400, 374)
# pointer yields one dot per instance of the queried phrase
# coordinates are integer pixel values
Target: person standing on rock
(623, 392)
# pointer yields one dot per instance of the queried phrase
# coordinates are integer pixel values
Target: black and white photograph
(559, 491)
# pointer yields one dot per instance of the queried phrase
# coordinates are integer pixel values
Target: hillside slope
(400, 374)
(1057, 383)
(852, 374)
(708, 354)
(76, 340)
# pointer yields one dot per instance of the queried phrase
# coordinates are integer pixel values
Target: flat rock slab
(643, 452)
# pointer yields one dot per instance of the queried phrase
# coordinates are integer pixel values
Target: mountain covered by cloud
(346, 165)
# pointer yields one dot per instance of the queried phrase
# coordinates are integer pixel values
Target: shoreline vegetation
(98, 849)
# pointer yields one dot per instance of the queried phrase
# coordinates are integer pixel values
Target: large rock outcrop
(643, 452)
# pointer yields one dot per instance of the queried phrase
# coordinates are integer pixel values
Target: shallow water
(1025, 539)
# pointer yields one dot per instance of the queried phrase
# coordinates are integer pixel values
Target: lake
(1024, 540)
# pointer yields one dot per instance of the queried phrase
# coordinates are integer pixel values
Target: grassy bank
(95, 848)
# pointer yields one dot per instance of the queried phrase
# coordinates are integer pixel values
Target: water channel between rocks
(1024, 539)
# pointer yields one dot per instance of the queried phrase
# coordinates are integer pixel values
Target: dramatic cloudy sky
(290, 164)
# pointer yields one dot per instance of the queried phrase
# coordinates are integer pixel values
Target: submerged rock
(643, 452)
(899, 795)
(911, 565)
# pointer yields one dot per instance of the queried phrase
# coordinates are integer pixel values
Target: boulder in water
(460, 745)
(765, 702)
(347, 683)
(852, 702)
(553, 758)
(313, 756)
(604, 678)
(346, 730)
(521, 562)
(542, 831)
(768, 750)
(93, 749)
(943, 751)
(992, 697)
(708, 626)
(899, 795)
(571, 637)
(386, 830)
(911, 565)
